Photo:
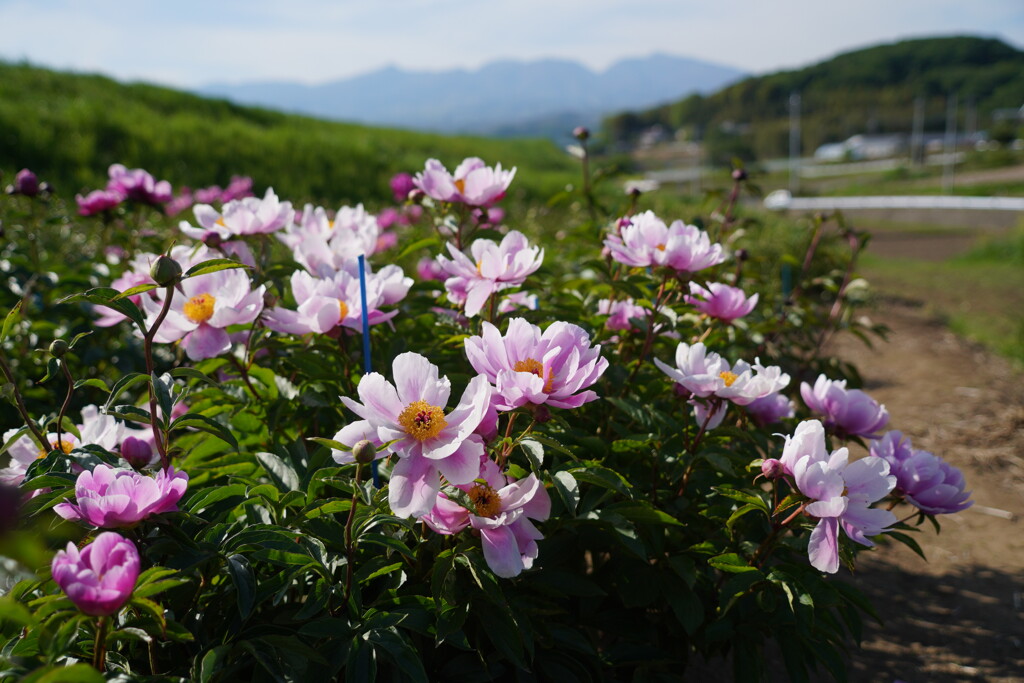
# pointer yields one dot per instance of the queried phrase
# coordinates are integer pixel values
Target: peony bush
(444, 441)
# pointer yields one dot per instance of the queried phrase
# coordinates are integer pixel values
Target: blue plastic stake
(367, 364)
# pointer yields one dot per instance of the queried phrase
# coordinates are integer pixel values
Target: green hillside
(865, 91)
(70, 127)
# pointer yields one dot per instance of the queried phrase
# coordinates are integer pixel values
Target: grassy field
(980, 294)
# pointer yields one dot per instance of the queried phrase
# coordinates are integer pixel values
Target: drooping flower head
(473, 183)
(721, 301)
(493, 267)
(841, 493)
(502, 510)
(646, 242)
(100, 577)
(410, 417)
(527, 366)
(110, 498)
(849, 411)
(206, 305)
(928, 482)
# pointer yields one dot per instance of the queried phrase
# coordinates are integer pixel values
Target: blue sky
(187, 43)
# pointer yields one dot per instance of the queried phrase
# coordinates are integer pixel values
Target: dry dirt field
(959, 616)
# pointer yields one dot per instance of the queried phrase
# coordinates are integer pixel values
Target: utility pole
(794, 142)
(917, 133)
(949, 168)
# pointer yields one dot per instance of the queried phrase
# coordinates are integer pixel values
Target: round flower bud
(364, 452)
(136, 451)
(742, 254)
(165, 271)
(739, 174)
(772, 468)
(58, 347)
(581, 132)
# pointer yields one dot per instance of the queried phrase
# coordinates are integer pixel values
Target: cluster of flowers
(442, 470)
(239, 188)
(125, 184)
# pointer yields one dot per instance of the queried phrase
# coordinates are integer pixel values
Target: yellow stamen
(64, 445)
(221, 223)
(486, 500)
(199, 308)
(422, 421)
(460, 185)
(479, 265)
(660, 247)
(728, 377)
(330, 224)
(342, 309)
(534, 366)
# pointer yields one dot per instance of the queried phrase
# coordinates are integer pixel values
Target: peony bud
(364, 452)
(165, 271)
(739, 174)
(58, 347)
(136, 451)
(772, 468)
(581, 133)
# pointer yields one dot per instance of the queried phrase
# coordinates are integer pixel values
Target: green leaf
(76, 673)
(732, 563)
(212, 266)
(162, 387)
(603, 477)
(107, 296)
(280, 472)
(907, 541)
(568, 490)
(330, 443)
(534, 453)
(194, 374)
(9, 320)
(740, 512)
(121, 385)
(205, 424)
(213, 661)
(137, 289)
(417, 246)
(245, 584)
(742, 496)
(644, 514)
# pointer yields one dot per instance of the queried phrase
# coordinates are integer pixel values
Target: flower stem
(32, 427)
(147, 337)
(99, 650)
(64, 406)
(349, 545)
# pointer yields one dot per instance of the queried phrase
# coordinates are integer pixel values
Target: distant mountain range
(506, 98)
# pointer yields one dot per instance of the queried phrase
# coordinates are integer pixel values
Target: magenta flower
(850, 412)
(206, 305)
(326, 303)
(26, 183)
(100, 578)
(720, 301)
(926, 480)
(240, 187)
(138, 185)
(109, 498)
(494, 267)
(527, 366)
(401, 185)
(411, 415)
(842, 493)
(646, 242)
(501, 515)
(708, 374)
(97, 201)
(473, 183)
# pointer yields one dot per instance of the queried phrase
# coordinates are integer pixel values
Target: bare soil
(959, 616)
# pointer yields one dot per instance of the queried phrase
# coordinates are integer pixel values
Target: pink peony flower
(206, 305)
(646, 242)
(25, 183)
(97, 201)
(323, 245)
(411, 416)
(473, 183)
(494, 267)
(96, 429)
(138, 185)
(240, 187)
(401, 185)
(111, 498)
(527, 366)
(620, 312)
(502, 512)
(842, 493)
(850, 412)
(100, 577)
(720, 301)
(770, 409)
(326, 303)
(708, 374)
(239, 217)
(928, 482)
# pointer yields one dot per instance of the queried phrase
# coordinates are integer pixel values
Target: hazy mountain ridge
(499, 97)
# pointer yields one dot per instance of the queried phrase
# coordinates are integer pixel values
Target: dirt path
(960, 615)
